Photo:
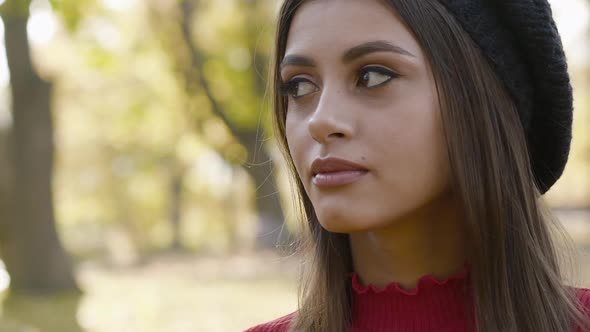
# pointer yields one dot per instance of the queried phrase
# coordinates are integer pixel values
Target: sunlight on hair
(42, 24)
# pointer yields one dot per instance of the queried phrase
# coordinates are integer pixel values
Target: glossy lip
(332, 172)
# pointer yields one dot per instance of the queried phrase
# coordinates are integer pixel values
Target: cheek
(296, 141)
(415, 147)
(427, 167)
(435, 163)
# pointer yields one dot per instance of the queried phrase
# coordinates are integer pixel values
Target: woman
(421, 135)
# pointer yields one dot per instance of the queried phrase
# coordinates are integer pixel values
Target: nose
(332, 118)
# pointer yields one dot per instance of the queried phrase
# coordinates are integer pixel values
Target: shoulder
(584, 297)
(278, 325)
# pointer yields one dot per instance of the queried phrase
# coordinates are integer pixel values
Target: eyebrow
(350, 55)
(373, 47)
(297, 60)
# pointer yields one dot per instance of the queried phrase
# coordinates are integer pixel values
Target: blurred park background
(140, 187)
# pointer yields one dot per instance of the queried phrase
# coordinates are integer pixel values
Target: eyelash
(380, 70)
(286, 88)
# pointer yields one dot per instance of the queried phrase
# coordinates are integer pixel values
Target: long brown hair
(517, 281)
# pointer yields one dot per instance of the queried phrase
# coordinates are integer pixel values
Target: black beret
(521, 41)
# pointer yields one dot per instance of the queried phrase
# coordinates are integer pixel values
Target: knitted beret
(521, 41)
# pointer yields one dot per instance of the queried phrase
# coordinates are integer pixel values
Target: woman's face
(360, 89)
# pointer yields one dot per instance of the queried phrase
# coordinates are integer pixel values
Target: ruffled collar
(435, 304)
(425, 282)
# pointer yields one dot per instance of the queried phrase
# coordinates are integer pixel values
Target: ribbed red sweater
(433, 306)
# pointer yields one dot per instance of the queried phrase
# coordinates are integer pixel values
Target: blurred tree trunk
(29, 241)
(175, 206)
(6, 185)
(270, 231)
(272, 218)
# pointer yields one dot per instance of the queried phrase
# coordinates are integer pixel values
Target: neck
(430, 240)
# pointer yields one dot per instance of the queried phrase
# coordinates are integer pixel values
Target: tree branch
(187, 9)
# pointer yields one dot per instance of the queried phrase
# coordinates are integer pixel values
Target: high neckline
(435, 304)
(425, 282)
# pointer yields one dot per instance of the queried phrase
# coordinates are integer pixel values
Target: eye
(374, 76)
(298, 87)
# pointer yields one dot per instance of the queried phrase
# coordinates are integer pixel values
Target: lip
(332, 172)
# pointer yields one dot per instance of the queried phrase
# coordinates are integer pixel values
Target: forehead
(335, 25)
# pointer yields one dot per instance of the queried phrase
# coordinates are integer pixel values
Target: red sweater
(433, 306)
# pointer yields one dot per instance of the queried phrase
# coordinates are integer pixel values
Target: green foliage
(125, 122)
(235, 36)
(72, 11)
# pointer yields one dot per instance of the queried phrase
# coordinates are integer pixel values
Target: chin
(347, 221)
(345, 225)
